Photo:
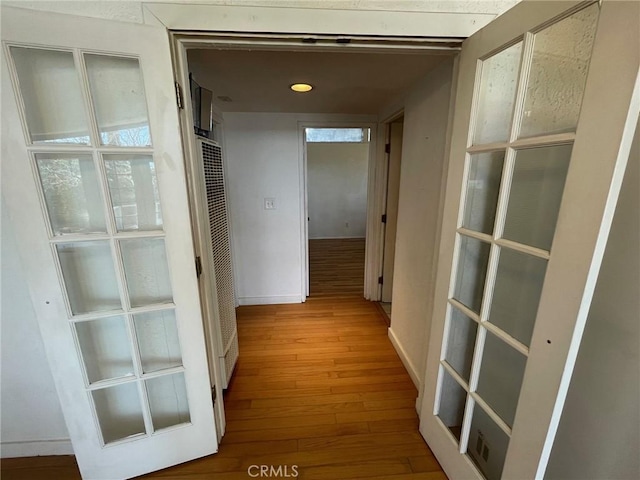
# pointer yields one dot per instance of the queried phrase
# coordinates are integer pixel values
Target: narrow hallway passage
(317, 386)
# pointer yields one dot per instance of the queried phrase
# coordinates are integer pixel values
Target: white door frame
(201, 237)
(369, 273)
(385, 193)
(181, 41)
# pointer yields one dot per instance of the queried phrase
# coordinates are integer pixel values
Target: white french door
(547, 102)
(93, 176)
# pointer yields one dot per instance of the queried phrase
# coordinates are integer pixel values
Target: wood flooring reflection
(318, 386)
(336, 267)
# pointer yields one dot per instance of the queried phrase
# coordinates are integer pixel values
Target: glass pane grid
(63, 140)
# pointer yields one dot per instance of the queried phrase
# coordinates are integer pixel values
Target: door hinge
(384, 218)
(380, 280)
(214, 394)
(179, 99)
(198, 267)
(387, 148)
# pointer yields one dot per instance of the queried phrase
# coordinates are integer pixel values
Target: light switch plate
(269, 203)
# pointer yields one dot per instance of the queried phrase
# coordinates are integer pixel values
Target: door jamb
(370, 269)
(207, 284)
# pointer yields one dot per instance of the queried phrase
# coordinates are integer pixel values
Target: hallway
(318, 386)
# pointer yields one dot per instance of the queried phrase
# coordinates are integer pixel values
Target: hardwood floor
(336, 267)
(318, 386)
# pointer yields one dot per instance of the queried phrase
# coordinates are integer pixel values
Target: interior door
(93, 176)
(546, 106)
(393, 194)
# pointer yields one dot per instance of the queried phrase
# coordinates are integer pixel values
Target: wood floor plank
(317, 385)
(316, 431)
(354, 470)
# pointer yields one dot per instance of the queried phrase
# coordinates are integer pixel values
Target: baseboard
(338, 238)
(35, 448)
(411, 369)
(274, 300)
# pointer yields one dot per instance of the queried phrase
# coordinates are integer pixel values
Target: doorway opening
(393, 151)
(264, 142)
(337, 164)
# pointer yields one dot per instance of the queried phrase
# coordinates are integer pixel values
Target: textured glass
(517, 293)
(452, 401)
(119, 100)
(168, 400)
(483, 186)
(119, 411)
(145, 267)
(501, 376)
(105, 348)
(488, 444)
(158, 340)
(496, 95)
(534, 201)
(52, 96)
(89, 276)
(561, 56)
(337, 135)
(71, 192)
(462, 338)
(133, 187)
(472, 271)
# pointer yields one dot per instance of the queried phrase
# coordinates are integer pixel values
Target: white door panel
(93, 176)
(546, 106)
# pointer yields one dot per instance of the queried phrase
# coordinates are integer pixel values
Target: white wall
(32, 422)
(423, 157)
(599, 433)
(337, 189)
(263, 161)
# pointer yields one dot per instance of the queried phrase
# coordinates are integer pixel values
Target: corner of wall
(408, 364)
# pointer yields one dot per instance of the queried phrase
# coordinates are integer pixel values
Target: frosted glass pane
(472, 270)
(534, 201)
(158, 340)
(496, 95)
(452, 401)
(119, 411)
(501, 376)
(133, 187)
(168, 400)
(52, 97)
(462, 339)
(89, 276)
(105, 348)
(488, 445)
(517, 293)
(561, 55)
(71, 192)
(119, 100)
(483, 186)
(145, 267)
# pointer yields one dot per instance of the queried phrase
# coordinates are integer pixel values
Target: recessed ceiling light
(301, 87)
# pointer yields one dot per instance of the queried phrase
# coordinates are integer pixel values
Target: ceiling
(344, 82)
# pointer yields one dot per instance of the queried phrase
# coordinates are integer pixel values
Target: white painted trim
(335, 238)
(225, 18)
(411, 368)
(273, 300)
(199, 218)
(35, 448)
